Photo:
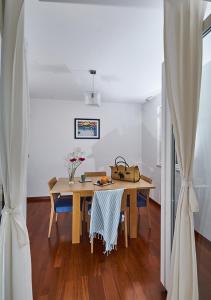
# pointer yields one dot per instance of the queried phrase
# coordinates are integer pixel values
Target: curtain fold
(15, 259)
(183, 23)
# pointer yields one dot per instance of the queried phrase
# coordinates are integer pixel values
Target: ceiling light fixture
(92, 97)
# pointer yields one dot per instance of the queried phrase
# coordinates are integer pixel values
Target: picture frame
(86, 128)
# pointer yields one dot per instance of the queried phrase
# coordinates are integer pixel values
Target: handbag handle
(117, 161)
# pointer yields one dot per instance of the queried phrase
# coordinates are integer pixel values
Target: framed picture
(87, 128)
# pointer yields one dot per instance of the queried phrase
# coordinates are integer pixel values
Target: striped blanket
(105, 216)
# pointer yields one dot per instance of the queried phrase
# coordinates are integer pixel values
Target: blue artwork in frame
(87, 128)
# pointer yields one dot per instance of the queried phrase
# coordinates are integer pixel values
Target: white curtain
(183, 63)
(15, 260)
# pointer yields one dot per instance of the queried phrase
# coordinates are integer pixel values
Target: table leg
(76, 219)
(133, 213)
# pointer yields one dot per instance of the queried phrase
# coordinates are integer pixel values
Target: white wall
(149, 162)
(52, 137)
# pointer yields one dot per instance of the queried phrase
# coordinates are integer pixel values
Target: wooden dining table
(86, 189)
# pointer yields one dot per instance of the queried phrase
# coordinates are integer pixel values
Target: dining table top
(63, 185)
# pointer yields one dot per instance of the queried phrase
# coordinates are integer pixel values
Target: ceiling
(121, 39)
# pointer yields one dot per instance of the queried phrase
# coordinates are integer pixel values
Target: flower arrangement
(73, 161)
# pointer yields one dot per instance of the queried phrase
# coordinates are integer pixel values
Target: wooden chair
(59, 204)
(143, 199)
(87, 202)
(95, 174)
(123, 218)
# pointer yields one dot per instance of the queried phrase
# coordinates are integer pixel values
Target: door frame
(166, 188)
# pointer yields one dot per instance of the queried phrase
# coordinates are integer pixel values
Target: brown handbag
(122, 171)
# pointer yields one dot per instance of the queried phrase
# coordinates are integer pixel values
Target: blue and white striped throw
(105, 216)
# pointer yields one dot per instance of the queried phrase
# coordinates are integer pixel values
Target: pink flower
(81, 158)
(73, 160)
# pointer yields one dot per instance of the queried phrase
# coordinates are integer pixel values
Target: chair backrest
(95, 174)
(145, 178)
(51, 184)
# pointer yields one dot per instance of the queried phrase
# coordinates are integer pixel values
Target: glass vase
(71, 175)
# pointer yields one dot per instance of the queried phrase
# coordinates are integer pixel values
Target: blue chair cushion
(141, 200)
(64, 204)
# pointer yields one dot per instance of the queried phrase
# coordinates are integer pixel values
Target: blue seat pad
(64, 204)
(141, 200)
